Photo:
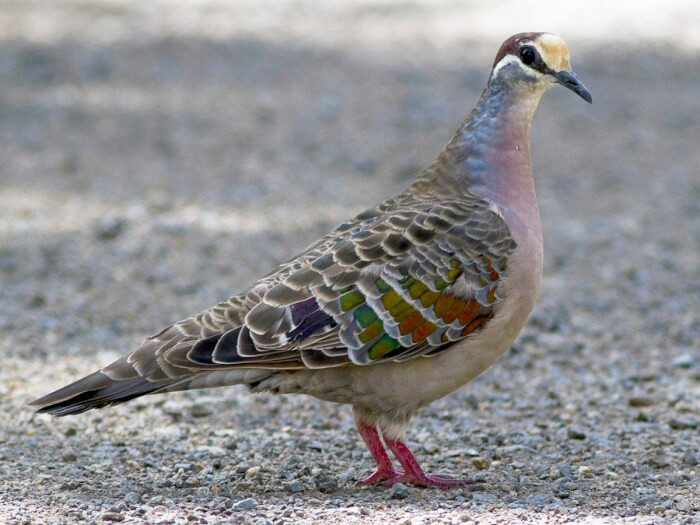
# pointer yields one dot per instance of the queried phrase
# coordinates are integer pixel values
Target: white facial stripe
(512, 59)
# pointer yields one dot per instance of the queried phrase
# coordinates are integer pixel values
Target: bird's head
(538, 61)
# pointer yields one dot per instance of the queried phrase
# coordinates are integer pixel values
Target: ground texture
(158, 156)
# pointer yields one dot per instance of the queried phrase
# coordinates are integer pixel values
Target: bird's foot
(414, 474)
(382, 475)
(438, 481)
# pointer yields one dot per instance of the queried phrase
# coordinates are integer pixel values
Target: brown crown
(512, 45)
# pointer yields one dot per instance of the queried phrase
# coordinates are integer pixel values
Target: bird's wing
(402, 280)
(398, 281)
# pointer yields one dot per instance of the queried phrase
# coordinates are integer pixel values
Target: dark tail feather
(96, 391)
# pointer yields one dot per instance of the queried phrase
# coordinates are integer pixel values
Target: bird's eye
(528, 55)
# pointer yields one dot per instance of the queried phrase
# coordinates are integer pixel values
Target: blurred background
(158, 156)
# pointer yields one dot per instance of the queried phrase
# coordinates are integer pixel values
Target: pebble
(685, 360)
(295, 486)
(244, 504)
(640, 401)
(200, 410)
(481, 463)
(112, 516)
(565, 470)
(536, 499)
(682, 423)
(69, 456)
(110, 229)
(643, 417)
(252, 472)
(398, 491)
(541, 469)
(192, 481)
(585, 470)
(659, 461)
(326, 485)
(690, 458)
(133, 498)
(575, 433)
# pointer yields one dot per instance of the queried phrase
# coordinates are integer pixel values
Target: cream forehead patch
(553, 51)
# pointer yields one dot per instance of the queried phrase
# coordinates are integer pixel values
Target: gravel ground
(157, 156)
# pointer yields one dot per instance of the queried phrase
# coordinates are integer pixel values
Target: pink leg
(385, 470)
(414, 473)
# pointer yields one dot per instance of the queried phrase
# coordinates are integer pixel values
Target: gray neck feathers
(490, 154)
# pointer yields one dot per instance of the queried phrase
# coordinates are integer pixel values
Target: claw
(438, 481)
(382, 476)
(414, 473)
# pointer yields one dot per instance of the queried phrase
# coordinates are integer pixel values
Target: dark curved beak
(568, 79)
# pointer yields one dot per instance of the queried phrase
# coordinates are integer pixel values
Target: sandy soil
(158, 156)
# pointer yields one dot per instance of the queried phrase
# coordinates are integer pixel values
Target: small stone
(565, 470)
(192, 481)
(682, 423)
(481, 463)
(70, 432)
(643, 417)
(398, 491)
(37, 301)
(112, 516)
(110, 229)
(245, 504)
(200, 410)
(585, 470)
(326, 485)
(295, 486)
(690, 458)
(252, 471)
(69, 456)
(541, 470)
(682, 505)
(536, 499)
(575, 433)
(659, 461)
(640, 401)
(685, 360)
(132, 498)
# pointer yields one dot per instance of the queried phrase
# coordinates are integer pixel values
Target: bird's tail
(181, 357)
(98, 390)
(95, 391)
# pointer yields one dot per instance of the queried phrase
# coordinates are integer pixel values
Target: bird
(395, 308)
